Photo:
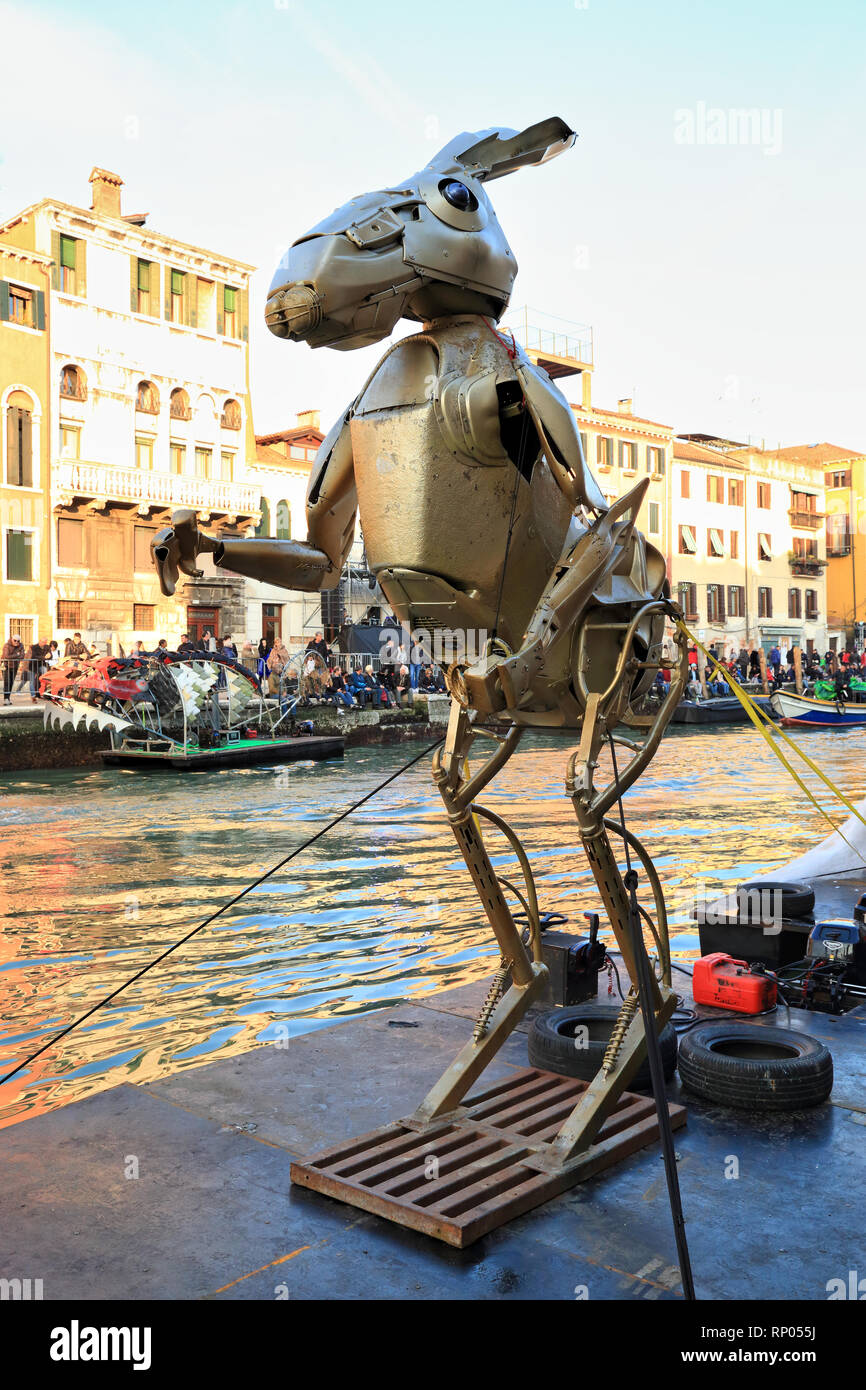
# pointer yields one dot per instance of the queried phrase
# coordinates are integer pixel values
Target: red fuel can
(726, 983)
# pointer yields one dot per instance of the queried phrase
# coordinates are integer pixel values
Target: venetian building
(25, 458)
(150, 408)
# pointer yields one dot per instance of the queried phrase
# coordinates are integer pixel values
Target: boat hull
(804, 711)
(724, 709)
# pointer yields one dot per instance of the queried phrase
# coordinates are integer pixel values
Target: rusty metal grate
(459, 1178)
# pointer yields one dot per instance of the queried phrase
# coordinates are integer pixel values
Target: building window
(72, 384)
(804, 502)
(203, 461)
(264, 526)
(655, 459)
(142, 562)
(765, 497)
(146, 288)
(735, 545)
(688, 543)
(654, 518)
(179, 407)
(794, 603)
(735, 492)
(715, 603)
(584, 444)
(69, 615)
(840, 477)
(715, 488)
(687, 595)
(811, 604)
(604, 451)
(68, 260)
(628, 455)
(231, 416)
(765, 603)
(147, 398)
(143, 454)
(143, 617)
(19, 445)
(685, 484)
(715, 543)
(177, 458)
(70, 442)
(227, 466)
(805, 547)
(230, 311)
(284, 522)
(178, 297)
(70, 544)
(736, 601)
(19, 556)
(765, 546)
(838, 534)
(20, 306)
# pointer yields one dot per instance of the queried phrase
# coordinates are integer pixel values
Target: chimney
(106, 192)
(624, 406)
(309, 420)
(586, 390)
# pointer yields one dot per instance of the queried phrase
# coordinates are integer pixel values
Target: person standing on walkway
(13, 655)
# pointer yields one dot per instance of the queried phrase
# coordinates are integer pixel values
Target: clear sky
(721, 268)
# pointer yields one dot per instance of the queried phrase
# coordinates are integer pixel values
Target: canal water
(103, 870)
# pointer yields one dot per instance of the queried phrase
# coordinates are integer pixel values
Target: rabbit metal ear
(501, 152)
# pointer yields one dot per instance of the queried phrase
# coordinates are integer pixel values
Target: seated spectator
(403, 686)
(342, 696)
(358, 688)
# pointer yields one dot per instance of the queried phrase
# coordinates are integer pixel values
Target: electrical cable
(644, 984)
(64, 1032)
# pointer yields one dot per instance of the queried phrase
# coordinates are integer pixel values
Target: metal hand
(176, 548)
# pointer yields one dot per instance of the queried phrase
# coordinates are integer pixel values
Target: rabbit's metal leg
(528, 973)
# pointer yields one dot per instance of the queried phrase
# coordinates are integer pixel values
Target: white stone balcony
(103, 483)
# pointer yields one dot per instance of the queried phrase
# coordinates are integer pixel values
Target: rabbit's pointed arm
(309, 565)
(559, 436)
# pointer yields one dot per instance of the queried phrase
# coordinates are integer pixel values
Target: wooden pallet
(458, 1178)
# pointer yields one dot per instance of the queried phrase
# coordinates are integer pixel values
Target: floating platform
(152, 755)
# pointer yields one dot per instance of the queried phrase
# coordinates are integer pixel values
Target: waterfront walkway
(212, 1213)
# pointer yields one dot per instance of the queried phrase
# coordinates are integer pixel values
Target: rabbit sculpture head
(428, 248)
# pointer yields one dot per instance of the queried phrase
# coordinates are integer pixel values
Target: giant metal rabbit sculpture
(479, 513)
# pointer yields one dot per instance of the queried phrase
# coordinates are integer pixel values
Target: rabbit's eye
(458, 195)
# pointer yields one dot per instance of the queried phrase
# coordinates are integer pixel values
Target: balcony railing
(180, 412)
(71, 391)
(805, 564)
(75, 479)
(806, 521)
(230, 420)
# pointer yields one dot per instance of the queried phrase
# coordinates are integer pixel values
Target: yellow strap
(756, 715)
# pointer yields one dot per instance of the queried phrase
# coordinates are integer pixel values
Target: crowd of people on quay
(319, 678)
(844, 671)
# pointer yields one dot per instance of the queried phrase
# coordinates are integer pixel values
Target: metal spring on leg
(494, 994)
(620, 1028)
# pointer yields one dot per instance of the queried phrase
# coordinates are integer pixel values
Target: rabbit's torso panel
(437, 489)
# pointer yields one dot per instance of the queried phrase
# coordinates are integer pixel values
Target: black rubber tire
(551, 1043)
(798, 899)
(752, 1067)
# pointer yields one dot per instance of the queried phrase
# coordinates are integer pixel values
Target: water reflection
(102, 870)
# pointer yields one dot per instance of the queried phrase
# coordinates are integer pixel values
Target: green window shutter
(177, 278)
(39, 310)
(55, 256)
(12, 445)
(244, 326)
(134, 277)
(220, 301)
(230, 296)
(19, 555)
(144, 276)
(26, 437)
(4, 300)
(155, 271)
(67, 252)
(81, 269)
